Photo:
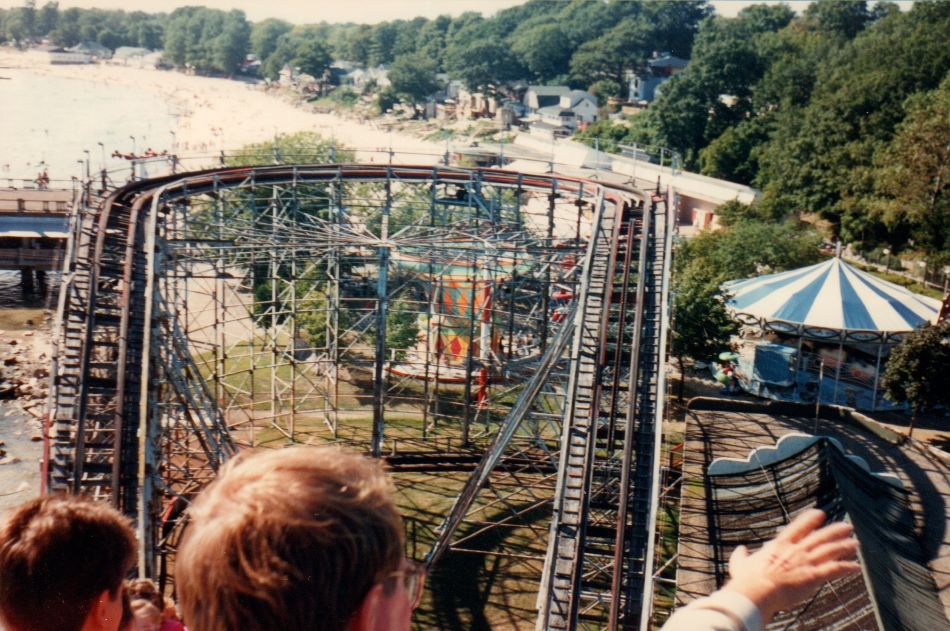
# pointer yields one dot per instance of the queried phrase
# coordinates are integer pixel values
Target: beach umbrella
(831, 295)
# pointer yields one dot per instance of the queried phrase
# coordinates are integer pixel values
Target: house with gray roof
(582, 104)
(538, 96)
(94, 49)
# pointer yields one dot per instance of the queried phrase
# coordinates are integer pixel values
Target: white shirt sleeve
(722, 611)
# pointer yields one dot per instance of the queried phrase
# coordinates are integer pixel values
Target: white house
(55, 55)
(557, 116)
(361, 77)
(68, 57)
(583, 104)
(574, 108)
(94, 49)
(130, 55)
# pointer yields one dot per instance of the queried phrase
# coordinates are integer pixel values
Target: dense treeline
(578, 42)
(69, 27)
(207, 39)
(842, 111)
(581, 42)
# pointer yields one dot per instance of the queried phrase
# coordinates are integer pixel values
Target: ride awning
(831, 295)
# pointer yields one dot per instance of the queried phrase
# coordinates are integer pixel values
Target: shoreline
(215, 114)
(24, 379)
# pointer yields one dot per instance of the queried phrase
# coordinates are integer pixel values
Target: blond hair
(291, 539)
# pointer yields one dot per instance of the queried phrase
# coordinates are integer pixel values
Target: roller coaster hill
(497, 337)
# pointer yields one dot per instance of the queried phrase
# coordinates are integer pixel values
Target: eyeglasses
(413, 577)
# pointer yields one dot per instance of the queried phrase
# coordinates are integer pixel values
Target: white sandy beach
(216, 114)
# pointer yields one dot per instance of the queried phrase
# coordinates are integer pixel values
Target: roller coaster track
(107, 439)
(598, 571)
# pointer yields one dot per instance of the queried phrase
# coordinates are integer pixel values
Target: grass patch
(439, 135)
(339, 99)
(466, 590)
(21, 319)
(903, 281)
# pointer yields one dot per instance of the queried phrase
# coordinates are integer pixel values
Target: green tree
(917, 370)
(845, 18)
(748, 248)
(148, 34)
(109, 38)
(304, 48)
(673, 25)
(482, 63)
(382, 40)
(583, 21)
(20, 22)
(48, 18)
(302, 147)
(702, 325)
(360, 44)
(402, 326)
(413, 77)
(207, 39)
(265, 35)
(912, 176)
(729, 57)
(407, 37)
(604, 89)
(464, 30)
(608, 57)
(818, 157)
(432, 39)
(733, 155)
(311, 56)
(545, 51)
(735, 212)
(608, 135)
(232, 45)
(67, 32)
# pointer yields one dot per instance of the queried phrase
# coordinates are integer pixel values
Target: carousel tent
(835, 325)
(833, 296)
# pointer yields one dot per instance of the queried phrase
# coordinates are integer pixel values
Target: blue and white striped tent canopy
(832, 295)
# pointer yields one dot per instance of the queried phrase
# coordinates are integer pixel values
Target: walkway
(713, 434)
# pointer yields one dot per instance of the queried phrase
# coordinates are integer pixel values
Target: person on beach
(297, 539)
(62, 562)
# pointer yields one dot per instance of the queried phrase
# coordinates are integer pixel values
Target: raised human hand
(795, 564)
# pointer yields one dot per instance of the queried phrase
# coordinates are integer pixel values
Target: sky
(365, 11)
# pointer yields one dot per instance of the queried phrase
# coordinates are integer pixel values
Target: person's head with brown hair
(62, 561)
(298, 539)
(145, 589)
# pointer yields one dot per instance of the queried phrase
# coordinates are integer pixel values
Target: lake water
(52, 120)
(47, 122)
(20, 471)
